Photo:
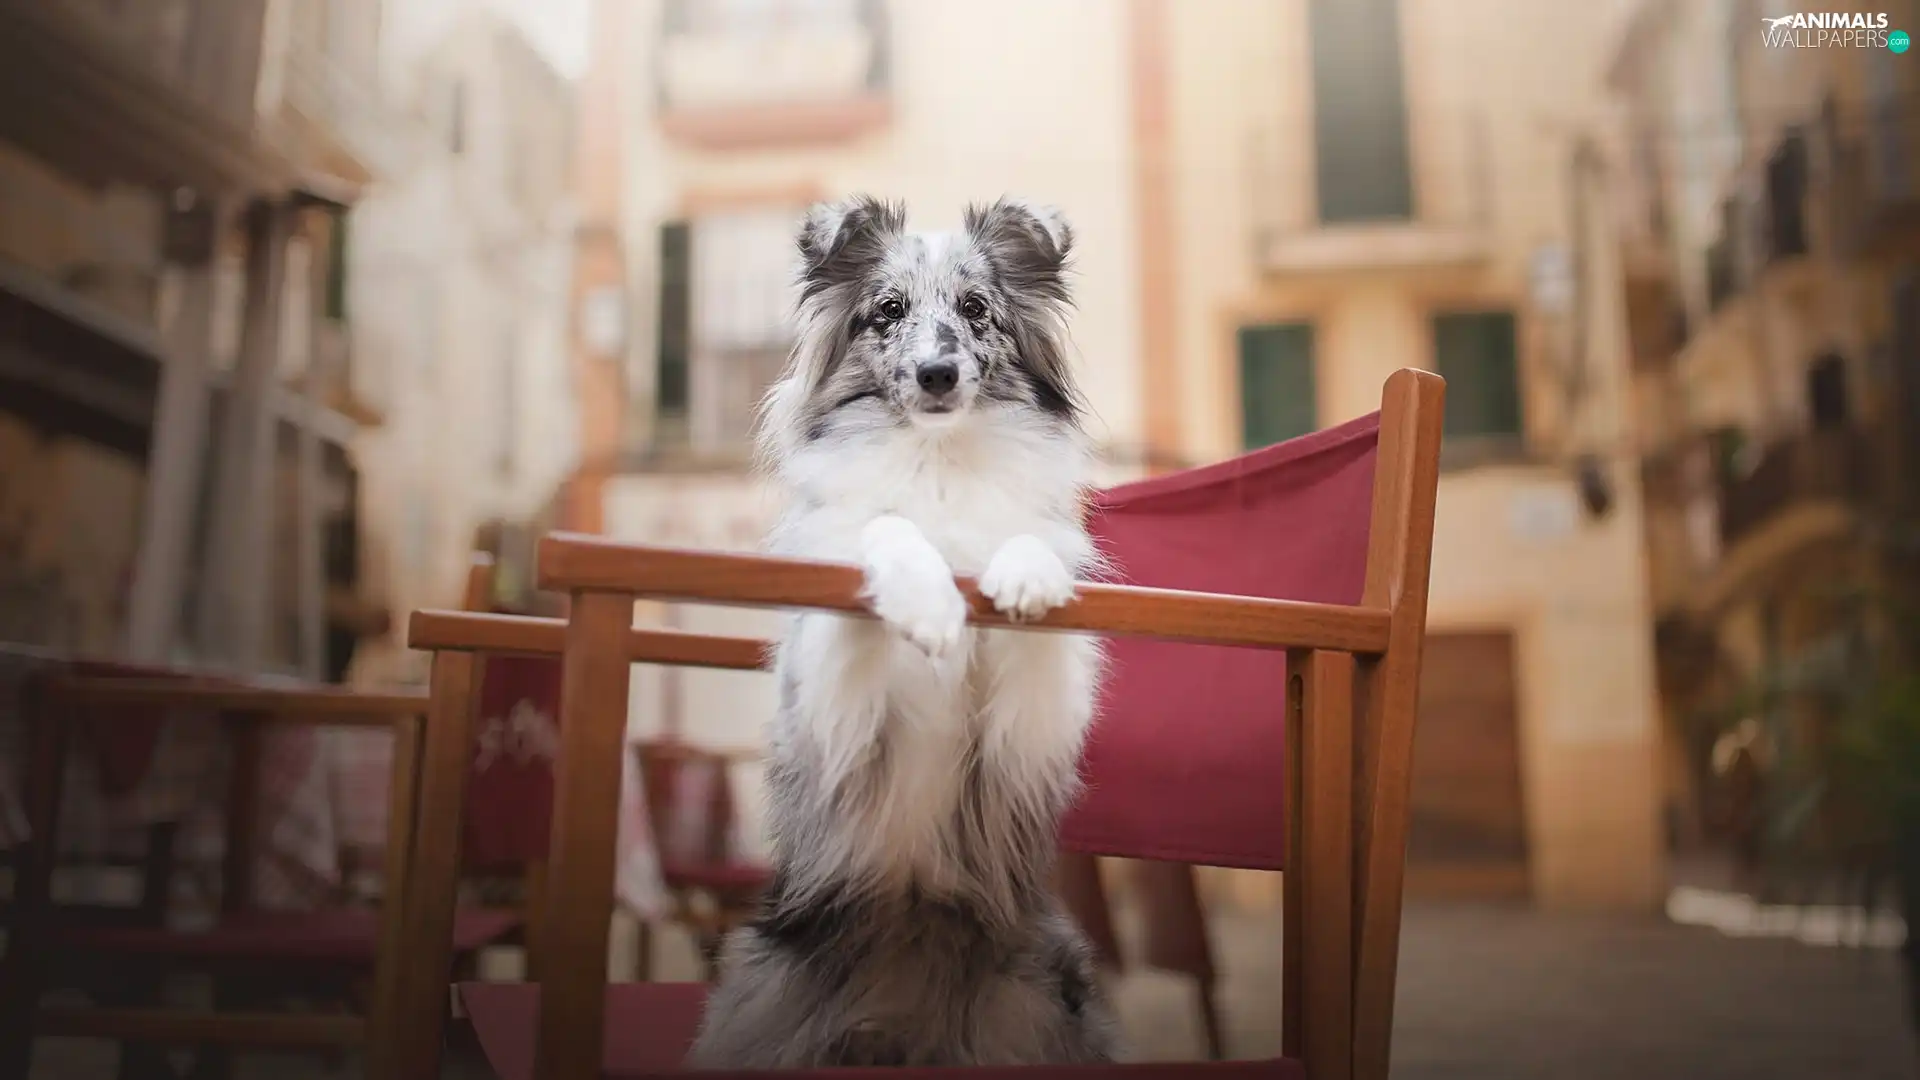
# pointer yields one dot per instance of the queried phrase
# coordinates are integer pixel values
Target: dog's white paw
(1025, 579)
(911, 586)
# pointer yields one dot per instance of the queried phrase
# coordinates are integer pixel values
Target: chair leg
(1210, 1020)
(216, 1062)
(710, 942)
(23, 964)
(643, 951)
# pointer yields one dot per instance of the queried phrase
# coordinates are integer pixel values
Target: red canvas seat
(1260, 716)
(650, 1026)
(347, 943)
(346, 938)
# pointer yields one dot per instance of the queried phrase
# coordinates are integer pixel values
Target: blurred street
(1497, 993)
(1487, 992)
(319, 314)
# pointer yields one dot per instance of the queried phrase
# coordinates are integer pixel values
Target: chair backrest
(689, 801)
(96, 699)
(408, 1037)
(1339, 826)
(509, 809)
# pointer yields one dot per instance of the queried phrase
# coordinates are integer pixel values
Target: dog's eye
(973, 308)
(892, 310)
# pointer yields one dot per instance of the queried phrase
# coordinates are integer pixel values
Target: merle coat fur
(927, 424)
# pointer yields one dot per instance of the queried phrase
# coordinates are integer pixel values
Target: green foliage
(1847, 782)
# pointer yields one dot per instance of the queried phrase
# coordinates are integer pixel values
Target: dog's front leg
(911, 586)
(1044, 684)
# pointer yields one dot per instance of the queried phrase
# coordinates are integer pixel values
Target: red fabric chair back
(1186, 761)
(689, 802)
(123, 750)
(510, 805)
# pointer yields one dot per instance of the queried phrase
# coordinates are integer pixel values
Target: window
(1276, 384)
(1477, 353)
(724, 328)
(676, 318)
(457, 118)
(507, 426)
(1827, 392)
(1359, 112)
(336, 298)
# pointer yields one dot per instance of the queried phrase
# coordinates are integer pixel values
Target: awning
(70, 365)
(85, 107)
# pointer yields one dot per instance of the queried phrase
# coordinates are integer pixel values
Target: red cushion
(650, 1026)
(344, 936)
(510, 795)
(727, 877)
(122, 737)
(1186, 761)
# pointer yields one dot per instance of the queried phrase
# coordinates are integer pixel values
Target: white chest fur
(1020, 702)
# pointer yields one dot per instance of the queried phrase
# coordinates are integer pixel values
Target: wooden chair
(708, 887)
(1337, 825)
(689, 799)
(349, 942)
(689, 794)
(410, 1035)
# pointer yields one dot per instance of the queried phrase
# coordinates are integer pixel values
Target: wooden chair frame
(413, 1033)
(1353, 679)
(478, 629)
(246, 708)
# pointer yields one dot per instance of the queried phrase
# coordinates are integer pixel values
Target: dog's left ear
(1028, 245)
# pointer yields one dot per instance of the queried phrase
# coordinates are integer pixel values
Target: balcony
(1784, 219)
(1723, 282)
(347, 375)
(156, 94)
(1656, 322)
(736, 76)
(1830, 466)
(1451, 224)
(1874, 176)
(320, 94)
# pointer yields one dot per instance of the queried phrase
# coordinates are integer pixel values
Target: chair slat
(332, 707)
(580, 868)
(572, 562)
(260, 1031)
(1399, 563)
(524, 635)
(410, 1033)
(1320, 789)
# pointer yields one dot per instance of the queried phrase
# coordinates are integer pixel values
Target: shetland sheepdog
(927, 424)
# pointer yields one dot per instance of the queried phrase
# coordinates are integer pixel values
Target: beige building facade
(1373, 185)
(459, 274)
(1767, 211)
(177, 398)
(1222, 304)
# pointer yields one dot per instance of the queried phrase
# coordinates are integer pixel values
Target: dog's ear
(840, 241)
(1027, 245)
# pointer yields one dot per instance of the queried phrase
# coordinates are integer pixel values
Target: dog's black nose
(939, 376)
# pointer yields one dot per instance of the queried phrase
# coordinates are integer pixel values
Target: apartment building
(1277, 204)
(1769, 203)
(175, 404)
(1363, 185)
(460, 270)
(727, 119)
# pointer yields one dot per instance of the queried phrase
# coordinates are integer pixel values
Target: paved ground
(1493, 994)
(1501, 994)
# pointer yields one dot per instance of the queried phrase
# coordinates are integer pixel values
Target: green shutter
(1478, 354)
(335, 301)
(1359, 111)
(1276, 383)
(676, 317)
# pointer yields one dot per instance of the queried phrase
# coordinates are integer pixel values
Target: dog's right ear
(840, 241)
